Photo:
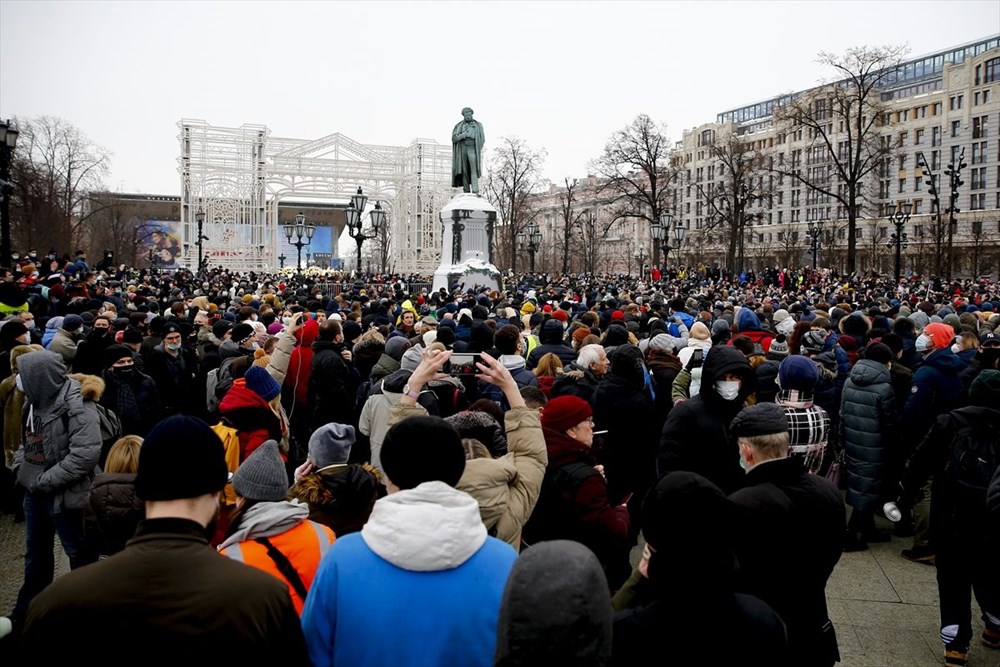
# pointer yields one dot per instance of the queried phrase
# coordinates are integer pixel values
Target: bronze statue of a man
(467, 153)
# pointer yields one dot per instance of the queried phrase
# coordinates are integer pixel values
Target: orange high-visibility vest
(304, 546)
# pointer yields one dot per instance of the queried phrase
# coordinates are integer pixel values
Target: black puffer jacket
(332, 386)
(867, 420)
(551, 338)
(113, 512)
(696, 435)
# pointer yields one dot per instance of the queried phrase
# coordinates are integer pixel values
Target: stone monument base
(468, 221)
(472, 273)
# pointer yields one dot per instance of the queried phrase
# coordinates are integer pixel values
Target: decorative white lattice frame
(239, 176)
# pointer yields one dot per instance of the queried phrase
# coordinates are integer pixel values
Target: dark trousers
(967, 565)
(41, 526)
(861, 521)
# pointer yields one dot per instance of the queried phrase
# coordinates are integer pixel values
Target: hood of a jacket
(867, 372)
(91, 386)
(384, 367)
(724, 359)
(945, 361)
(306, 334)
(627, 366)
(42, 376)
(748, 321)
(19, 350)
(512, 362)
(230, 348)
(551, 332)
(267, 519)
(344, 486)
(240, 398)
(395, 381)
(430, 528)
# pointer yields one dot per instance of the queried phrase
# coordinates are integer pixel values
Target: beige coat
(506, 488)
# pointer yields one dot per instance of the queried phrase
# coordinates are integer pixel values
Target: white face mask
(30, 324)
(923, 342)
(728, 390)
(287, 321)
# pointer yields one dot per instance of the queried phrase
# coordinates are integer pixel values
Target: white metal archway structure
(239, 176)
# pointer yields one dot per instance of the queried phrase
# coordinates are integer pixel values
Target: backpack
(974, 459)
(211, 384)
(111, 429)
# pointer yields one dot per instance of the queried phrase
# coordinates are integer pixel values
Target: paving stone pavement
(884, 607)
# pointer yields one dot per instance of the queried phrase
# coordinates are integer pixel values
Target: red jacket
(300, 362)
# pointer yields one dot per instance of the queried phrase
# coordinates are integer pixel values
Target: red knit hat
(561, 316)
(617, 315)
(565, 412)
(940, 334)
(546, 308)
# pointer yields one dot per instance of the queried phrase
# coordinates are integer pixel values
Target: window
(954, 154)
(920, 112)
(918, 230)
(979, 152)
(902, 185)
(781, 216)
(979, 127)
(956, 128)
(977, 202)
(991, 70)
(902, 138)
(902, 162)
(935, 136)
(936, 109)
(861, 233)
(935, 160)
(918, 182)
(977, 227)
(955, 103)
(978, 180)
(917, 205)
(918, 137)
(781, 197)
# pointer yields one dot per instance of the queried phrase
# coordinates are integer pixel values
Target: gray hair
(588, 355)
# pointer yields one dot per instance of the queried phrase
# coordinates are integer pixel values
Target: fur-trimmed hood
(91, 386)
(324, 487)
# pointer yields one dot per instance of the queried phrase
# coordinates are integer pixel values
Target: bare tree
(116, 225)
(590, 234)
(513, 174)
(568, 223)
(54, 168)
(842, 121)
(874, 240)
(977, 243)
(636, 172)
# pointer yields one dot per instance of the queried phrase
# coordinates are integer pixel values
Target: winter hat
(72, 322)
(562, 316)
(422, 449)
(242, 333)
(798, 373)
(274, 328)
(579, 335)
(181, 457)
(617, 315)
(989, 338)
(259, 382)
(760, 419)
(779, 346)
(396, 346)
(813, 341)
(220, 328)
(954, 322)
(429, 337)
(331, 444)
(879, 352)
(719, 326)
(700, 332)
(411, 358)
(985, 389)
(351, 331)
(920, 319)
(116, 352)
(262, 476)
(940, 334)
(564, 412)
(663, 342)
(894, 342)
(616, 335)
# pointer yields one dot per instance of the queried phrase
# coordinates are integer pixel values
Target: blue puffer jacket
(867, 417)
(936, 389)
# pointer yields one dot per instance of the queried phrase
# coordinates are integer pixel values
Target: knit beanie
(879, 352)
(422, 449)
(181, 457)
(411, 358)
(396, 346)
(564, 412)
(940, 334)
(351, 331)
(331, 444)
(985, 389)
(779, 347)
(579, 335)
(262, 384)
(116, 352)
(663, 342)
(813, 341)
(72, 322)
(759, 419)
(220, 328)
(798, 373)
(242, 332)
(262, 476)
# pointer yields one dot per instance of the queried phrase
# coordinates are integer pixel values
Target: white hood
(427, 529)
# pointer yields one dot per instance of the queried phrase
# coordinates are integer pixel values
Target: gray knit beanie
(262, 476)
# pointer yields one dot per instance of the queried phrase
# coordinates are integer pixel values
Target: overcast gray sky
(561, 75)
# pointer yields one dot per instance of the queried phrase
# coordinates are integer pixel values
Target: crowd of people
(369, 459)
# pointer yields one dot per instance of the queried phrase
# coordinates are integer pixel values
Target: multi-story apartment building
(932, 108)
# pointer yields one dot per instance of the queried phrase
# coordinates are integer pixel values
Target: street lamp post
(355, 214)
(640, 258)
(899, 218)
(742, 198)
(954, 173)
(815, 233)
(200, 219)
(530, 241)
(8, 140)
(281, 260)
(661, 236)
(299, 230)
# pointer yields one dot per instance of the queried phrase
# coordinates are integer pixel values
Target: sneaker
(991, 637)
(924, 555)
(954, 658)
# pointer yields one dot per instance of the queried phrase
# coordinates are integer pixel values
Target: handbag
(836, 472)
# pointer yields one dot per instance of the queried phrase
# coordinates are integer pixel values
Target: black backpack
(974, 458)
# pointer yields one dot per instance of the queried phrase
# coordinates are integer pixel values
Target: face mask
(287, 321)
(24, 340)
(254, 346)
(15, 257)
(123, 372)
(173, 347)
(253, 318)
(30, 324)
(727, 390)
(33, 255)
(923, 342)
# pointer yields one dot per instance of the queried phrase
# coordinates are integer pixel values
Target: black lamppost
(898, 219)
(661, 235)
(8, 140)
(742, 198)
(530, 241)
(640, 258)
(281, 260)
(200, 219)
(149, 256)
(299, 230)
(954, 173)
(815, 234)
(355, 214)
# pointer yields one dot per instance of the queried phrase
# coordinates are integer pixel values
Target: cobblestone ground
(884, 607)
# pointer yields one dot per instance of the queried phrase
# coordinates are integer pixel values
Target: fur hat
(262, 476)
(330, 444)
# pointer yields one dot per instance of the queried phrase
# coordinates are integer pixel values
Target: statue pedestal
(467, 246)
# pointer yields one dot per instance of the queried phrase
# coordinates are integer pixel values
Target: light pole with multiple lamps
(8, 141)
(661, 235)
(641, 258)
(299, 229)
(815, 234)
(355, 215)
(281, 260)
(200, 219)
(898, 219)
(954, 174)
(530, 241)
